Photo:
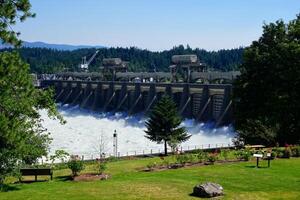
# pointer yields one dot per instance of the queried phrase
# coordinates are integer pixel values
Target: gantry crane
(85, 64)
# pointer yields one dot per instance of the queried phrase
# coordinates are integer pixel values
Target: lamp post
(115, 143)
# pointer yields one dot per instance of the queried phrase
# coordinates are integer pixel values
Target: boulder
(208, 190)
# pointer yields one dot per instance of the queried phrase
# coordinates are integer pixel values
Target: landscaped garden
(130, 179)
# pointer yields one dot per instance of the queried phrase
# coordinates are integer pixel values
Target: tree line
(42, 60)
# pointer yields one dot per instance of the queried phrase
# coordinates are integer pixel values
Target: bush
(273, 155)
(287, 152)
(151, 165)
(76, 166)
(295, 151)
(243, 154)
(202, 156)
(182, 159)
(102, 167)
(225, 153)
(212, 158)
(166, 163)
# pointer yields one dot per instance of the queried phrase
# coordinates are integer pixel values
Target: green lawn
(240, 181)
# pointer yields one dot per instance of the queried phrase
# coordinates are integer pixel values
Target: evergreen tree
(267, 92)
(163, 126)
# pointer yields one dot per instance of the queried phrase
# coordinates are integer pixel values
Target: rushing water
(83, 130)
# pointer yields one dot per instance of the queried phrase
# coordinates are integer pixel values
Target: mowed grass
(240, 181)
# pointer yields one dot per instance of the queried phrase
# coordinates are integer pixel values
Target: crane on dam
(85, 64)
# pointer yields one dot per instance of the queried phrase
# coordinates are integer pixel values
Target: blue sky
(154, 24)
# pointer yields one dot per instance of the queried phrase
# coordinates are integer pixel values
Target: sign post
(269, 159)
(257, 156)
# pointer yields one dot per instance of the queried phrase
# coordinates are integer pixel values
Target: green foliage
(10, 12)
(212, 158)
(225, 153)
(267, 92)
(256, 132)
(164, 123)
(22, 137)
(295, 151)
(43, 60)
(76, 166)
(102, 166)
(287, 152)
(59, 154)
(243, 154)
(151, 165)
(202, 156)
(183, 158)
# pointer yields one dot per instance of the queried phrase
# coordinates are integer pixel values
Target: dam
(205, 101)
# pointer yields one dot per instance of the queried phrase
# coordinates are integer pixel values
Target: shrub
(295, 151)
(102, 167)
(273, 155)
(287, 152)
(243, 154)
(151, 165)
(202, 156)
(212, 158)
(182, 159)
(225, 153)
(166, 163)
(280, 153)
(76, 166)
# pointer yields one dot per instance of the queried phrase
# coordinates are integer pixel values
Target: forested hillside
(44, 60)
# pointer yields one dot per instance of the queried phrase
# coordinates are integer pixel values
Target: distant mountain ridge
(62, 47)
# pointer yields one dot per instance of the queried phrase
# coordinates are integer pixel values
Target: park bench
(36, 172)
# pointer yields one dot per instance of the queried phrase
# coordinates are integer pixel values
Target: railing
(152, 152)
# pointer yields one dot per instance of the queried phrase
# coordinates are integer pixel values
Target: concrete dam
(198, 94)
(203, 102)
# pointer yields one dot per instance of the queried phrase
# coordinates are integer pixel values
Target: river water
(82, 133)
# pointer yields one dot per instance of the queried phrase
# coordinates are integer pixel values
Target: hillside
(44, 60)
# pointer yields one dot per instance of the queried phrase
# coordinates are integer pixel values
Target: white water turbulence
(82, 133)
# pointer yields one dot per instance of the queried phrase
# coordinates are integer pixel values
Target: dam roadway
(203, 102)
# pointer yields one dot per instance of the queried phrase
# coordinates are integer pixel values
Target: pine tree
(163, 126)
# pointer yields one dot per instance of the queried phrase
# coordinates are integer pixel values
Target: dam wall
(203, 102)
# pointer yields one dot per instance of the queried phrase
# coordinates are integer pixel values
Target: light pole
(115, 143)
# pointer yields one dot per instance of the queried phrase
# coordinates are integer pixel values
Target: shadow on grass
(7, 188)
(32, 181)
(64, 178)
(193, 195)
(254, 166)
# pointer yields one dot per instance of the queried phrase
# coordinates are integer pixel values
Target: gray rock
(208, 190)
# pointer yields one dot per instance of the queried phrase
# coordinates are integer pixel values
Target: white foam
(83, 129)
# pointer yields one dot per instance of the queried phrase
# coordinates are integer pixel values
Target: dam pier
(138, 92)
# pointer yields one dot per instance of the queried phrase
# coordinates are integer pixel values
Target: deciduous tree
(268, 89)
(22, 136)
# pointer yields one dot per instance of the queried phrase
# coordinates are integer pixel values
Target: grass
(240, 181)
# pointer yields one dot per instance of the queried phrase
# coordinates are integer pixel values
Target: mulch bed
(176, 165)
(91, 177)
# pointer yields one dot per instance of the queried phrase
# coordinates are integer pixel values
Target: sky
(154, 24)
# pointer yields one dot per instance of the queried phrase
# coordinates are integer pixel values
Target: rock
(208, 190)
